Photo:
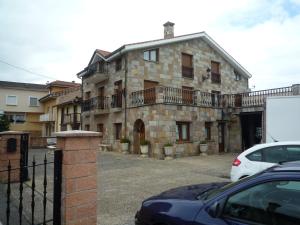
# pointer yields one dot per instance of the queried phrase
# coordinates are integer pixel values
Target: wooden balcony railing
(178, 96)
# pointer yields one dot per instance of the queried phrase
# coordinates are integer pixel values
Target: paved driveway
(125, 180)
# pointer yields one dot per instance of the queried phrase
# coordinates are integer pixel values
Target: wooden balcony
(178, 96)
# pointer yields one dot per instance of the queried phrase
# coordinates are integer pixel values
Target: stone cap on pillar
(77, 133)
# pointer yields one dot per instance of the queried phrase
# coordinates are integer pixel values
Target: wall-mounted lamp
(205, 77)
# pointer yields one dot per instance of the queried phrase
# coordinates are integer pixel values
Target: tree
(4, 123)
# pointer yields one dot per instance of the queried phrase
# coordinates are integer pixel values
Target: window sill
(189, 78)
(150, 61)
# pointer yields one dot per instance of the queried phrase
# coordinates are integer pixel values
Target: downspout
(125, 95)
(81, 102)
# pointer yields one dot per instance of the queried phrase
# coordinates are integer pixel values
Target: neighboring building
(50, 120)
(68, 105)
(20, 102)
(179, 90)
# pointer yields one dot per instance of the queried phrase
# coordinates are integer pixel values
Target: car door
(272, 156)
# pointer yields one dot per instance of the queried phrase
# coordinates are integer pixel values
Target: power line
(26, 70)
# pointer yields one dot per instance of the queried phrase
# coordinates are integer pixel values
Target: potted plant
(203, 147)
(125, 145)
(168, 149)
(144, 145)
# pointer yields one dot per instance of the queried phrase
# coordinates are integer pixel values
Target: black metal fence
(28, 198)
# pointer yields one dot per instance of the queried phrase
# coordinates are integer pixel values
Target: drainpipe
(81, 102)
(125, 95)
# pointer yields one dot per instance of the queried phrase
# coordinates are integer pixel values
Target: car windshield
(214, 192)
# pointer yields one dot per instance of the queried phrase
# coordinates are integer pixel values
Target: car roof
(293, 166)
(265, 145)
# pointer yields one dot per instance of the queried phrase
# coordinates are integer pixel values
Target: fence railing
(26, 201)
(99, 102)
(179, 96)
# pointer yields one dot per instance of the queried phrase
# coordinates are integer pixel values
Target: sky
(55, 39)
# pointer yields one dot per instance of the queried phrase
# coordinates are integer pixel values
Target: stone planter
(144, 150)
(203, 149)
(168, 152)
(125, 148)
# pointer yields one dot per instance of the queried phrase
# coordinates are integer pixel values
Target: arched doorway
(138, 135)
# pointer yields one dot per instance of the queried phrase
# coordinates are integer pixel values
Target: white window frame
(11, 96)
(148, 51)
(37, 102)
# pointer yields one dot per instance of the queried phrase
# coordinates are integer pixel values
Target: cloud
(57, 38)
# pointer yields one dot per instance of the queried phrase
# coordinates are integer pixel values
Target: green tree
(4, 123)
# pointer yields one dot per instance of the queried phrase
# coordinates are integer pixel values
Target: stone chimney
(168, 30)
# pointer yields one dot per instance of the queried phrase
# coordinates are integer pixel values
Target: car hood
(190, 192)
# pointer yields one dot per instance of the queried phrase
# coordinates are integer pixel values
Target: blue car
(269, 197)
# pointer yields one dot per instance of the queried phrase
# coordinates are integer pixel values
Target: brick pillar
(10, 154)
(79, 176)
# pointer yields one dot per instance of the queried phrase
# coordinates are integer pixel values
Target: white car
(263, 156)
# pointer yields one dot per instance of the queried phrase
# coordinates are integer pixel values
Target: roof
(109, 56)
(23, 86)
(60, 83)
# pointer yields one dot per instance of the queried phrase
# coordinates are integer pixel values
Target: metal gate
(29, 201)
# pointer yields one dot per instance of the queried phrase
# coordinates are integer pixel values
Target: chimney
(168, 30)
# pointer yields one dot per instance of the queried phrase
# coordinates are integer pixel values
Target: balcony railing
(71, 118)
(100, 102)
(47, 117)
(178, 96)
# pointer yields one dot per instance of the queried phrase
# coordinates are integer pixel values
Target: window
(16, 118)
(182, 131)
(215, 72)
(118, 64)
(293, 153)
(11, 100)
(87, 95)
(87, 127)
(275, 154)
(187, 65)
(275, 202)
(100, 129)
(33, 101)
(237, 76)
(255, 156)
(208, 130)
(118, 128)
(151, 55)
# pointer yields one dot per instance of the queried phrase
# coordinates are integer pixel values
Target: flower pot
(125, 148)
(168, 152)
(203, 149)
(144, 150)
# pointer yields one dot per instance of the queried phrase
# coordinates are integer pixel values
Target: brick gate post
(79, 176)
(10, 151)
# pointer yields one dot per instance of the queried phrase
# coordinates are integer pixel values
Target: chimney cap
(169, 24)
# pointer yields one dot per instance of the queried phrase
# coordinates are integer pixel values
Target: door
(101, 97)
(215, 97)
(187, 95)
(149, 91)
(138, 135)
(221, 131)
(117, 97)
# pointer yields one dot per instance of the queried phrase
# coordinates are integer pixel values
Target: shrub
(144, 142)
(125, 140)
(168, 145)
(4, 123)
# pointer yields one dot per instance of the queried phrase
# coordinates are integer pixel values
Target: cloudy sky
(56, 38)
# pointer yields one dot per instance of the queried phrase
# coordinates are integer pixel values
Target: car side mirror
(215, 210)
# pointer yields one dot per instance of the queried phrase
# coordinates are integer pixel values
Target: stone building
(174, 90)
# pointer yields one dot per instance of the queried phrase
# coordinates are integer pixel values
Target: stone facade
(160, 119)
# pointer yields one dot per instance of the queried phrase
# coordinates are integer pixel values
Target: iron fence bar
(21, 192)
(58, 156)
(32, 189)
(12, 169)
(8, 193)
(45, 190)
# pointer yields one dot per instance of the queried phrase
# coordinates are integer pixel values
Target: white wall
(283, 118)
